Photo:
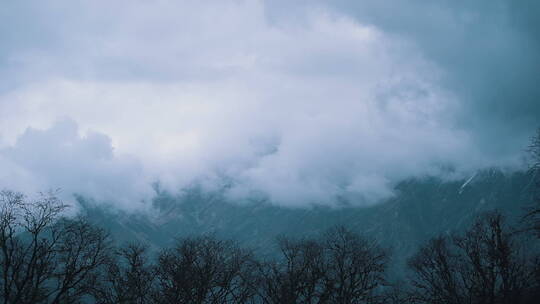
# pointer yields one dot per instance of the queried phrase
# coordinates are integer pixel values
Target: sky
(291, 102)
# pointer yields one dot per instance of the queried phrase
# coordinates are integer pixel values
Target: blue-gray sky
(295, 101)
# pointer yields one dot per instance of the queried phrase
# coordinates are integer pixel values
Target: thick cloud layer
(489, 50)
(312, 102)
(85, 164)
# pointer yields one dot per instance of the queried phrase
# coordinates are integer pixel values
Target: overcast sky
(297, 102)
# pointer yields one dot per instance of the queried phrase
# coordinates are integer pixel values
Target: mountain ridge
(421, 208)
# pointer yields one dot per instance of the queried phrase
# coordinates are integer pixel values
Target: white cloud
(60, 158)
(300, 110)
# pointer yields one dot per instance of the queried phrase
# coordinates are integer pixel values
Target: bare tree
(489, 264)
(128, 277)
(45, 258)
(298, 277)
(356, 267)
(434, 280)
(338, 267)
(204, 270)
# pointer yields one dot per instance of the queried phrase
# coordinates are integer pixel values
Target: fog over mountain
(311, 102)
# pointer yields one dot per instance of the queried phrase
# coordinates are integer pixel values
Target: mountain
(421, 208)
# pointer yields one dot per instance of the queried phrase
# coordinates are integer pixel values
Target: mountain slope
(422, 208)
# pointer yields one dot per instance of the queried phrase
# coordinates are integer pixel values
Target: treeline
(48, 258)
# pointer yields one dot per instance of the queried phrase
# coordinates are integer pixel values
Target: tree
(339, 266)
(298, 277)
(128, 277)
(356, 267)
(44, 257)
(204, 270)
(489, 263)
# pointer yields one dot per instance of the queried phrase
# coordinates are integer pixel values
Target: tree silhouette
(45, 258)
(339, 266)
(204, 270)
(489, 263)
(356, 267)
(128, 277)
(298, 277)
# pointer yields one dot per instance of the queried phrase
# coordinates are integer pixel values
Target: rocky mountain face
(422, 208)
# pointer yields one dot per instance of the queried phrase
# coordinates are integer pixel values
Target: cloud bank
(312, 102)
